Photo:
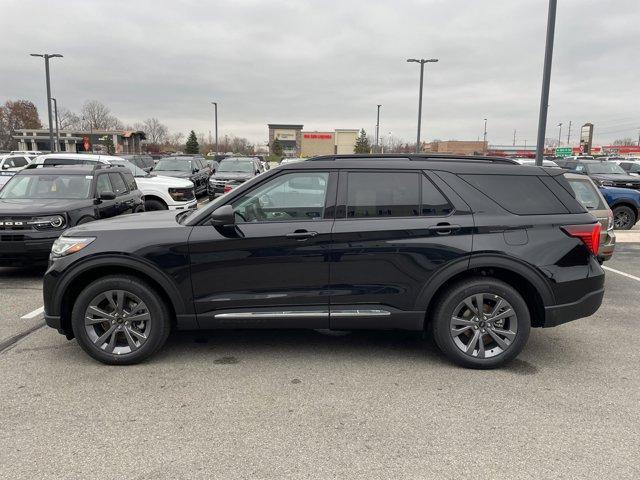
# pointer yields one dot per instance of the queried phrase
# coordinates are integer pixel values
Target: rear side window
(119, 187)
(587, 194)
(519, 194)
(130, 181)
(392, 194)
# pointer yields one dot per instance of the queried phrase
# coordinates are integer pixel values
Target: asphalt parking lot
(289, 404)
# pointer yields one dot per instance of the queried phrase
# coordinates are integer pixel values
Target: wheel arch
(70, 285)
(524, 278)
(153, 196)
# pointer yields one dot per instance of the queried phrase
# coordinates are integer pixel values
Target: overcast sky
(326, 64)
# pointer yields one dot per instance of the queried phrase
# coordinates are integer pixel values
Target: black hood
(616, 178)
(35, 207)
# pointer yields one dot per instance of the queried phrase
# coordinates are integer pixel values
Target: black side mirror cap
(107, 196)
(223, 217)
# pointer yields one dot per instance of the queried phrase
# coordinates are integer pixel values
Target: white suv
(160, 193)
(10, 164)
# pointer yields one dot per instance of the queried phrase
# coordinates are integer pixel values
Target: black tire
(624, 218)
(449, 302)
(139, 209)
(152, 205)
(159, 321)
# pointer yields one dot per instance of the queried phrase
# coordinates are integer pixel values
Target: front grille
(12, 238)
(15, 223)
(221, 182)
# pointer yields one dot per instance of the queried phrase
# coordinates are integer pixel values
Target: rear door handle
(444, 228)
(301, 234)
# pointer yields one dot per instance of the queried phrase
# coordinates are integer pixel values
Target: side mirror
(223, 217)
(5, 166)
(195, 170)
(107, 196)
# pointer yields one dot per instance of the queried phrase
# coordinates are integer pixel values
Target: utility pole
(560, 134)
(46, 57)
(421, 61)
(378, 128)
(514, 137)
(215, 104)
(569, 134)
(55, 113)
(546, 81)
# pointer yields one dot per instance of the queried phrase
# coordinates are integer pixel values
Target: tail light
(611, 221)
(227, 188)
(589, 234)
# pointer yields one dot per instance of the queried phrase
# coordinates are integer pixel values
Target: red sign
(86, 144)
(321, 136)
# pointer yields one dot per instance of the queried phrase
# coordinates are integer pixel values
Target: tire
(152, 205)
(126, 338)
(139, 209)
(624, 218)
(496, 341)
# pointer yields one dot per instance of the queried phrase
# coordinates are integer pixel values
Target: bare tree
(97, 116)
(68, 120)
(624, 141)
(156, 131)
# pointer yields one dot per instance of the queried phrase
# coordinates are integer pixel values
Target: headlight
(53, 221)
(182, 194)
(605, 183)
(68, 245)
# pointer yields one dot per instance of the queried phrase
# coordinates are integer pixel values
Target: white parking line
(31, 315)
(628, 275)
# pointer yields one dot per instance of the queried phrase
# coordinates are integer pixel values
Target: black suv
(190, 168)
(603, 173)
(477, 250)
(38, 204)
(231, 172)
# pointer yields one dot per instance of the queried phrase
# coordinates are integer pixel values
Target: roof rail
(417, 157)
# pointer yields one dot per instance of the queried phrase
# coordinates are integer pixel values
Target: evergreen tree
(276, 148)
(108, 143)
(362, 143)
(192, 144)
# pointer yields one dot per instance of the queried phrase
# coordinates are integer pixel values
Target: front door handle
(302, 234)
(444, 228)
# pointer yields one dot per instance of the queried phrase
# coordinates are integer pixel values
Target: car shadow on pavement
(26, 272)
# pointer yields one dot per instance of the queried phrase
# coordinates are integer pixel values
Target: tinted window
(47, 186)
(383, 194)
(586, 194)
(433, 202)
(519, 194)
(117, 182)
(288, 197)
(130, 181)
(18, 162)
(604, 168)
(103, 184)
(63, 161)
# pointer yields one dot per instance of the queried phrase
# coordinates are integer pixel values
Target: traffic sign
(564, 151)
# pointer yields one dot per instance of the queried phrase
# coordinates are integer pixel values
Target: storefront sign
(319, 136)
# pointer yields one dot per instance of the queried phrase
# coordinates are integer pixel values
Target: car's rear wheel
(120, 320)
(481, 323)
(152, 205)
(624, 218)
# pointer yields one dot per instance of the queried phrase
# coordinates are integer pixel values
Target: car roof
(416, 157)
(78, 156)
(70, 169)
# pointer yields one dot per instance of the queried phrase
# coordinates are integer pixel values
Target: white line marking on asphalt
(37, 313)
(628, 275)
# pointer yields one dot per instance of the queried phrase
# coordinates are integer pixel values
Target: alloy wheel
(117, 322)
(484, 325)
(622, 220)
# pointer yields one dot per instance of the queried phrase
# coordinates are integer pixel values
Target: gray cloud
(327, 64)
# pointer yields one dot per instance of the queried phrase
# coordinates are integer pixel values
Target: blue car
(625, 204)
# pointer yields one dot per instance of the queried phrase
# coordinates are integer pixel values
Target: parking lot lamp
(484, 135)
(215, 106)
(46, 57)
(421, 61)
(378, 128)
(560, 134)
(55, 115)
(546, 80)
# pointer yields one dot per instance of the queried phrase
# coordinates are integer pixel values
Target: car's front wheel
(481, 323)
(120, 320)
(624, 218)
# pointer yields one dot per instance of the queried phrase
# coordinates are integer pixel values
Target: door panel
(387, 261)
(272, 268)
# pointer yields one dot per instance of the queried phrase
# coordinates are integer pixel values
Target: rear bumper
(558, 314)
(607, 246)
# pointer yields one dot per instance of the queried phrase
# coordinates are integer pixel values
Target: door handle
(301, 234)
(444, 228)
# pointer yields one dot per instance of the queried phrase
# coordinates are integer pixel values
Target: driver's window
(288, 197)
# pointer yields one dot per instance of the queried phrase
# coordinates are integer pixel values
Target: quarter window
(130, 181)
(119, 187)
(289, 197)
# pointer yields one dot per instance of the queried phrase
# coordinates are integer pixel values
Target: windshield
(137, 172)
(47, 186)
(605, 168)
(243, 166)
(175, 164)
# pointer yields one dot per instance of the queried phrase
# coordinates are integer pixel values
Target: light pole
(559, 133)
(514, 137)
(569, 135)
(46, 57)
(421, 61)
(55, 114)
(546, 80)
(378, 128)
(484, 135)
(215, 105)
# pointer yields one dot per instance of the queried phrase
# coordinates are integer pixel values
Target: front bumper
(24, 248)
(184, 205)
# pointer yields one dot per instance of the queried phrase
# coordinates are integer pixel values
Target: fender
(488, 260)
(115, 260)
